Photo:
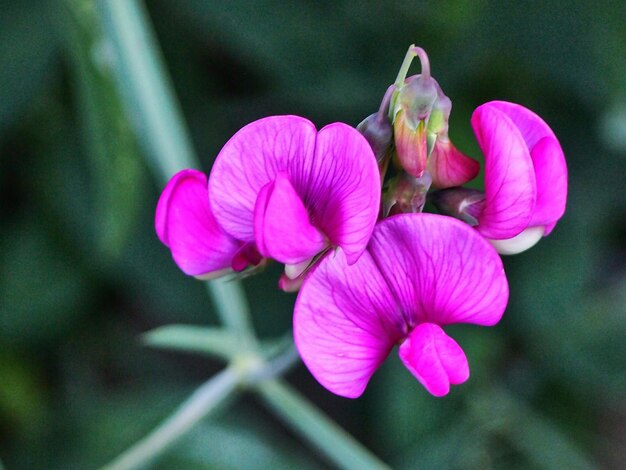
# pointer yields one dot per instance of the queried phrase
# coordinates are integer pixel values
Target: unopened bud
(376, 128)
(406, 194)
(411, 146)
(463, 203)
(378, 132)
(412, 105)
(448, 166)
(420, 120)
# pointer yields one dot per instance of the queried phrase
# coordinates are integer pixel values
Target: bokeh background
(82, 273)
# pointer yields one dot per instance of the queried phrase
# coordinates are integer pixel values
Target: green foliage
(82, 275)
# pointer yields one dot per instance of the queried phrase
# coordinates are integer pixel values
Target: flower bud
(447, 166)
(377, 130)
(406, 194)
(420, 120)
(462, 203)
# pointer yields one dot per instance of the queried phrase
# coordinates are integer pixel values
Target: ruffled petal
(531, 126)
(340, 187)
(440, 270)
(548, 161)
(334, 172)
(435, 359)
(281, 224)
(185, 224)
(448, 167)
(510, 189)
(250, 160)
(345, 323)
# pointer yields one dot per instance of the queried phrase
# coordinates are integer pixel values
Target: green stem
(204, 400)
(406, 64)
(144, 81)
(314, 426)
(159, 123)
(230, 299)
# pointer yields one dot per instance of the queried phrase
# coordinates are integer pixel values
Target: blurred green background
(82, 273)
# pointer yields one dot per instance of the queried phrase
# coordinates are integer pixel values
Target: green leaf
(215, 342)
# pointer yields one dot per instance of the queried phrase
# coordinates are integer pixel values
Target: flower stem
(406, 64)
(421, 53)
(204, 400)
(314, 426)
(233, 310)
(159, 123)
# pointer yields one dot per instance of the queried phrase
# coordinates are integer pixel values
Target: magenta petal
(448, 167)
(440, 270)
(435, 359)
(548, 161)
(281, 224)
(334, 172)
(340, 186)
(510, 189)
(185, 224)
(250, 160)
(345, 323)
(531, 126)
(551, 176)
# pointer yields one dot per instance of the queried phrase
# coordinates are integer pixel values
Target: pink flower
(279, 189)
(525, 176)
(185, 224)
(294, 191)
(419, 273)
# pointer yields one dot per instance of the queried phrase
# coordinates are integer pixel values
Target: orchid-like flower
(525, 179)
(295, 192)
(419, 273)
(278, 189)
(185, 224)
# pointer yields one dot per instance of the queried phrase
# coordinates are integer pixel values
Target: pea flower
(278, 189)
(294, 191)
(525, 179)
(419, 273)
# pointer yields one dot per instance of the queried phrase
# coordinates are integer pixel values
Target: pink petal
(551, 176)
(440, 270)
(250, 160)
(281, 224)
(531, 126)
(340, 186)
(185, 224)
(435, 359)
(411, 145)
(346, 323)
(448, 167)
(548, 161)
(510, 189)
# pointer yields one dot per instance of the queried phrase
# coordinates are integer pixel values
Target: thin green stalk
(212, 341)
(146, 87)
(158, 120)
(317, 428)
(204, 400)
(232, 307)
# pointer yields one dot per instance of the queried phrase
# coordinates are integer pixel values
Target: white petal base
(522, 242)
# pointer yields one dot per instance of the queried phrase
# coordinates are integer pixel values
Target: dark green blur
(82, 273)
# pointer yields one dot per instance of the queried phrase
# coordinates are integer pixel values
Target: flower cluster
(342, 209)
